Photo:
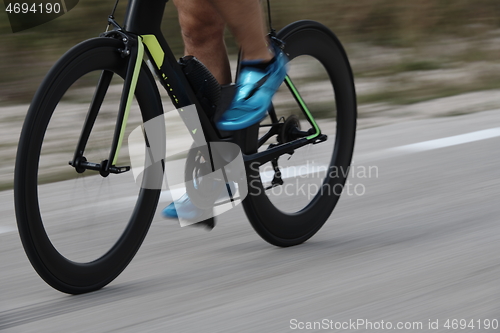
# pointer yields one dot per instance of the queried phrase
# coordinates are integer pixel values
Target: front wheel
(319, 82)
(81, 229)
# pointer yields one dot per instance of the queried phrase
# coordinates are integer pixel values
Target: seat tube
(143, 17)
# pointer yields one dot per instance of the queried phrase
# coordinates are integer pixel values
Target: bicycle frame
(132, 200)
(142, 26)
(143, 18)
(142, 34)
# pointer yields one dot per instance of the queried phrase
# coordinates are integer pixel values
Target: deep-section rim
(288, 229)
(60, 273)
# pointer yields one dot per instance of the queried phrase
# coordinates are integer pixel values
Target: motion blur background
(403, 53)
(383, 38)
(422, 244)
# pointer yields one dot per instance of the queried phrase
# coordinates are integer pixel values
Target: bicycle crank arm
(287, 148)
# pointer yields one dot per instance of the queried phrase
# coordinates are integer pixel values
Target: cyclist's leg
(245, 20)
(202, 24)
(263, 68)
(203, 34)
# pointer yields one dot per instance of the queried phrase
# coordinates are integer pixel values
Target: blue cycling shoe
(256, 86)
(184, 208)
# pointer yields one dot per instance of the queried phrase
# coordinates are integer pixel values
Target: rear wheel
(80, 230)
(314, 176)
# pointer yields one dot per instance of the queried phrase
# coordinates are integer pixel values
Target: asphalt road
(419, 245)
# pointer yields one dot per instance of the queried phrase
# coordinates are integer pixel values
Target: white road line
(450, 141)
(4, 229)
(432, 144)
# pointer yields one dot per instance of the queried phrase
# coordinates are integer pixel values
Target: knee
(197, 31)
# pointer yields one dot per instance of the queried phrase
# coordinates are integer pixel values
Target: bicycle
(115, 59)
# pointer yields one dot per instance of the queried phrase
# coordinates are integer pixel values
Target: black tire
(298, 222)
(78, 275)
